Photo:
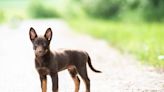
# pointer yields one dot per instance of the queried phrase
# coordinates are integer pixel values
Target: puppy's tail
(90, 65)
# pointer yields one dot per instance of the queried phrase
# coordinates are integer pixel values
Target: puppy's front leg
(54, 78)
(43, 80)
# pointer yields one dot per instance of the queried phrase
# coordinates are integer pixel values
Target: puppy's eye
(34, 47)
(44, 44)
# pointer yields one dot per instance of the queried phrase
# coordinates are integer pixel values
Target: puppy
(50, 63)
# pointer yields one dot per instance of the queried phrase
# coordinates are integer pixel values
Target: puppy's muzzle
(40, 51)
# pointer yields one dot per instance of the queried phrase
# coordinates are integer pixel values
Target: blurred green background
(133, 26)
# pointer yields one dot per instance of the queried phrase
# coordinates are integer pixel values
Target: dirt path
(121, 72)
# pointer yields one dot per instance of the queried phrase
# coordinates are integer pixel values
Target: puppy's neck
(42, 61)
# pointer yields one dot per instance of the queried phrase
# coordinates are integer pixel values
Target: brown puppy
(50, 63)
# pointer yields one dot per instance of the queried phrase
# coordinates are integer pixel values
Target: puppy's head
(41, 43)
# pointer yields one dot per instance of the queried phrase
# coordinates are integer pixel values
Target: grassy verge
(145, 40)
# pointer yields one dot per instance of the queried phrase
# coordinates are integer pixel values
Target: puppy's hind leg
(73, 72)
(83, 73)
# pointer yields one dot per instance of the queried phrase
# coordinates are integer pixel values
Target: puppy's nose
(40, 51)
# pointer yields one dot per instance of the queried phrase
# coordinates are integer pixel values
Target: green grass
(144, 40)
(13, 10)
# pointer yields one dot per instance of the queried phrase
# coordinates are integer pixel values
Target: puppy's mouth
(41, 53)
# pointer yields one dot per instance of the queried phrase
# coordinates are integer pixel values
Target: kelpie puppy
(50, 63)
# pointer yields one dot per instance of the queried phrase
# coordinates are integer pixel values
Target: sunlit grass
(144, 40)
(13, 10)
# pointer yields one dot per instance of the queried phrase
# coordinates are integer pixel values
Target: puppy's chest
(43, 68)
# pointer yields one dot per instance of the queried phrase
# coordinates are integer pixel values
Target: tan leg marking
(44, 85)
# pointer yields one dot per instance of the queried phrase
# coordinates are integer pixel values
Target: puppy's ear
(48, 34)
(32, 34)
